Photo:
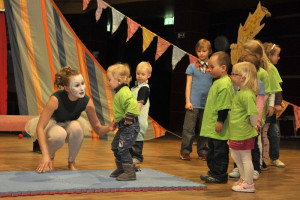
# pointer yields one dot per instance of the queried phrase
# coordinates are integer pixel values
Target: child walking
(243, 123)
(141, 91)
(126, 112)
(198, 82)
(215, 120)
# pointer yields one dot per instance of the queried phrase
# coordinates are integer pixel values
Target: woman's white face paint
(77, 86)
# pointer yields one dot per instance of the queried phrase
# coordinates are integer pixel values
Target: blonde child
(243, 123)
(141, 91)
(215, 123)
(126, 112)
(59, 121)
(198, 82)
(273, 53)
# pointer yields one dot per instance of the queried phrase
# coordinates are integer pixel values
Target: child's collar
(119, 87)
(142, 83)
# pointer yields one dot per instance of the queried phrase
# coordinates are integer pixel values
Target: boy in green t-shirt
(215, 121)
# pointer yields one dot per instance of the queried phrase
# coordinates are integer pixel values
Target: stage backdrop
(42, 42)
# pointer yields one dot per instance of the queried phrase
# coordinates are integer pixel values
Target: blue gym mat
(26, 183)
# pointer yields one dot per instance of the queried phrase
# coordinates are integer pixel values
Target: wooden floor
(160, 154)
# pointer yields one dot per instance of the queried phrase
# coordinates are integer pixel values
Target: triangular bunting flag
(193, 59)
(85, 4)
(100, 6)
(132, 27)
(177, 56)
(283, 109)
(117, 19)
(297, 116)
(147, 38)
(162, 46)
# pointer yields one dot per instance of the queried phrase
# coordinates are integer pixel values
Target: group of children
(236, 111)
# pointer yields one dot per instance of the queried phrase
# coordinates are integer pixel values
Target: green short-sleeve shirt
(219, 98)
(263, 75)
(275, 79)
(243, 105)
(124, 102)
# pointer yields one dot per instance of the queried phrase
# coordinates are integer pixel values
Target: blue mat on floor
(24, 183)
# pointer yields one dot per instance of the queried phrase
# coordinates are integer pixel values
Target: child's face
(77, 86)
(216, 70)
(274, 58)
(203, 53)
(112, 81)
(142, 74)
(236, 78)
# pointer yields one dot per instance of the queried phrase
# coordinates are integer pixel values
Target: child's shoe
(264, 166)
(255, 175)
(235, 173)
(203, 177)
(117, 171)
(278, 163)
(244, 187)
(185, 156)
(136, 161)
(203, 157)
(129, 173)
(240, 181)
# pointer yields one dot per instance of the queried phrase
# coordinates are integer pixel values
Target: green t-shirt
(124, 102)
(275, 79)
(243, 105)
(263, 75)
(219, 98)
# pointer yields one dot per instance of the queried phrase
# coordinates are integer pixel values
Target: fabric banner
(42, 42)
(132, 27)
(192, 58)
(1, 5)
(162, 46)
(3, 65)
(147, 38)
(177, 55)
(283, 109)
(100, 6)
(85, 4)
(297, 116)
(117, 18)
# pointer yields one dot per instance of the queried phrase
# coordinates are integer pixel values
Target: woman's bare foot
(71, 166)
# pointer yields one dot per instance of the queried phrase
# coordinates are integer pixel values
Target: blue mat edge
(107, 190)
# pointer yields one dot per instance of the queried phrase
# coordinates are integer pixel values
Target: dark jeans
(136, 150)
(218, 158)
(274, 140)
(188, 134)
(124, 139)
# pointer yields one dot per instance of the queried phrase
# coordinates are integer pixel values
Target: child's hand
(278, 108)
(258, 128)
(188, 106)
(219, 127)
(270, 111)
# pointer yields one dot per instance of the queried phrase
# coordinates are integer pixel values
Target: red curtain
(3, 66)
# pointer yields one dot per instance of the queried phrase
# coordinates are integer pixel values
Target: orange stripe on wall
(83, 71)
(31, 57)
(50, 57)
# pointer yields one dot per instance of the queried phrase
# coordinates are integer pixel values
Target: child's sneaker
(278, 163)
(255, 175)
(244, 187)
(185, 156)
(203, 157)
(235, 173)
(240, 181)
(136, 161)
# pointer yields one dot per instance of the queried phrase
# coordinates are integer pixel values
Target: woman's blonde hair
(255, 47)
(62, 77)
(249, 72)
(120, 71)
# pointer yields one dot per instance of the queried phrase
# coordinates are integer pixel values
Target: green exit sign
(169, 21)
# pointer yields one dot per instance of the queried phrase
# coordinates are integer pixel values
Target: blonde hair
(120, 71)
(146, 65)
(250, 58)
(62, 77)
(254, 47)
(270, 48)
(203, 43)
(249, 72)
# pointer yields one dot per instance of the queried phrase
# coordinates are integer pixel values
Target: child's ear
(224, 67)
(149, 75)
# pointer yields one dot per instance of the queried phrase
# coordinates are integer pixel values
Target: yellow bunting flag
(147, 38)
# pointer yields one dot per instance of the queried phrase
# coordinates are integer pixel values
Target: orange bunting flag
(132, 27)
(100, 6)
(285, 105)
(162, 46)
(193, 59)
(297, 116)
(85, 4)
(147, 38)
